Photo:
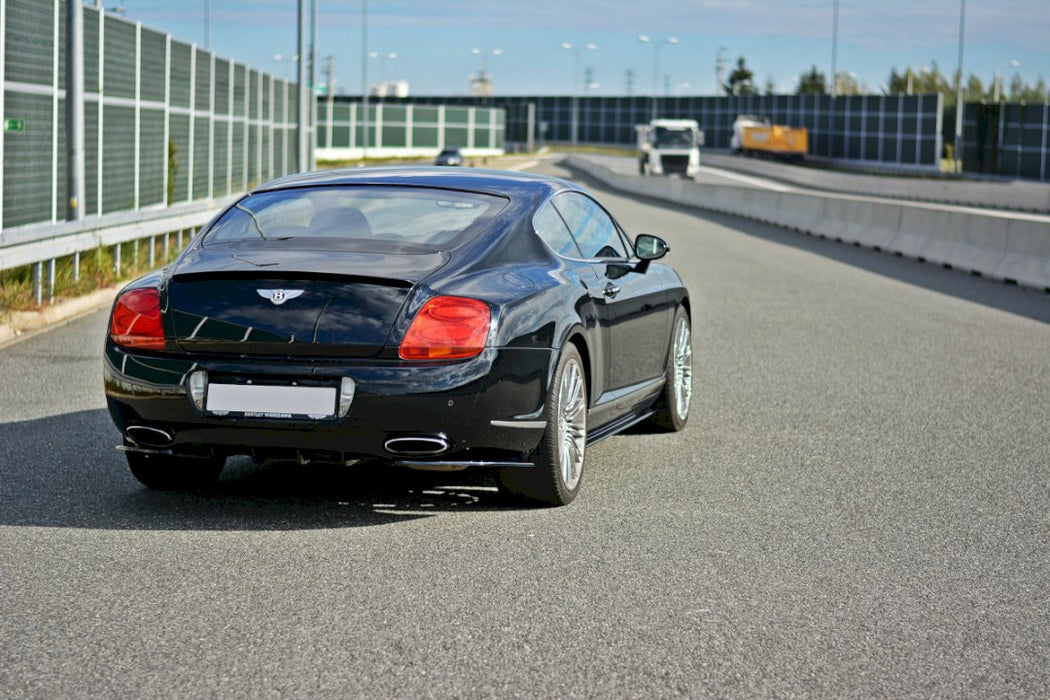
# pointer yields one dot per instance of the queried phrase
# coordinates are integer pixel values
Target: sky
(779, 40)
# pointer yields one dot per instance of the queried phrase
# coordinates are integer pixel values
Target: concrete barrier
(1000, 245)
(1027, 257)
(1018, 195)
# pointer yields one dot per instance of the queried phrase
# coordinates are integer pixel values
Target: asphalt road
(860, 506)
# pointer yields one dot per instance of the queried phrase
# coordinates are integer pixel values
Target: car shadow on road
(63, 471)
(1023, 301)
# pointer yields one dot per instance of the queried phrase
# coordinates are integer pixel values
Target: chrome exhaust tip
(149, 437)
(417, 446)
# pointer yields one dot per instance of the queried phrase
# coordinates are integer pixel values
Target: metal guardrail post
(76, 266)
(152, 251)
(51, 280)
(38, 282)
(116, 260)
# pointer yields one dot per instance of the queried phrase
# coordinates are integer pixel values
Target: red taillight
(447, 328)
(136, 320)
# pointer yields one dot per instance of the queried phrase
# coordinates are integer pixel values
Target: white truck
(669, 146)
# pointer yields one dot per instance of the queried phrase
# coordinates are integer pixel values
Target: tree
(1041, 91)
(974, 91)
(771, 85)
(812, 82)
(897, 83)
(846, 83)
(741, 80)
(1017, 88)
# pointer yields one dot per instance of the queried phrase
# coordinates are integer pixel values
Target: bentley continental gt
(427, 317)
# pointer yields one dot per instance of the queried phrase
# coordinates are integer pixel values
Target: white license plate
(262, 401)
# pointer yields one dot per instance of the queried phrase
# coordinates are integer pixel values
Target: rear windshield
(374, 218)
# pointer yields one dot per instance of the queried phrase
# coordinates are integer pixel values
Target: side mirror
(648, 247)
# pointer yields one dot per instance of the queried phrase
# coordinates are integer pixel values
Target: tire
(558, 472)
(174, 473)
(671, 411)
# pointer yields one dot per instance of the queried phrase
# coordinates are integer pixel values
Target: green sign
(14, 125)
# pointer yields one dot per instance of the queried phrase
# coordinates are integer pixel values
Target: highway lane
(859, 506)
(626, 165)
(714, 175)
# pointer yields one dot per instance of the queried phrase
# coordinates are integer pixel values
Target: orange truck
(753, 134)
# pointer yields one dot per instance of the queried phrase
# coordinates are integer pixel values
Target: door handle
(611, 290)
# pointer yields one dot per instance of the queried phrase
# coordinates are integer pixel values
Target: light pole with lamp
(576, 51)
(656, 44)
(383, 58)
(1013, 63)
(481, 85)
(956, 148)
(291, 59)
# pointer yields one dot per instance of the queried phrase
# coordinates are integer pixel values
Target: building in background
(480, 84)
(390, 88)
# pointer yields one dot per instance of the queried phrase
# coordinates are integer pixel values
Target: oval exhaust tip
(417, 446)
(150, 437)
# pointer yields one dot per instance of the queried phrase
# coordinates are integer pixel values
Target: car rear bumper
(486, 409)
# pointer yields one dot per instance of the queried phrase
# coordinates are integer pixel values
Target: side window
(550, 227)
(592, 228)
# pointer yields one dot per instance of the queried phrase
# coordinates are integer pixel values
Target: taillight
(136, 320)
(447, 328)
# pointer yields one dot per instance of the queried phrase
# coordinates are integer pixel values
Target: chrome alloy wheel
(572, 424)
(683, 368)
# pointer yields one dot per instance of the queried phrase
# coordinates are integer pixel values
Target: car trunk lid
(298, 303)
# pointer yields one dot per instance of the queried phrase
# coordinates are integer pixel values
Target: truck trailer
(756, 135)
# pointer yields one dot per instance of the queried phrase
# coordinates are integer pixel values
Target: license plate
(264, 401)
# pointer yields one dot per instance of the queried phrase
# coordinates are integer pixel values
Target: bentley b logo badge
(279, 296)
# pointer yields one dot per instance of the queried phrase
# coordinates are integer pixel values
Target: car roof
(499, 182)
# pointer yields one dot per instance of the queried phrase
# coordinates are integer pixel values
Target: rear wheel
(555, 480)
(672, 409)
(174, 473)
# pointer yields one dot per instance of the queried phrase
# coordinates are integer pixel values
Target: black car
(430, 318)
(449, 156)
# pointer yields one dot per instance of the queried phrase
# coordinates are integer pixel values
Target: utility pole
(75, 109)
(720, 70)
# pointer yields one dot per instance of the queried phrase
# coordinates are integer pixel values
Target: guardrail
(1005, 246)
(46, 243)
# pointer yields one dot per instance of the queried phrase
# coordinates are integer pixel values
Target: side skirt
(617, 426)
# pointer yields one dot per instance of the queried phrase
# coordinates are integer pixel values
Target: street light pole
(576, 50)
(645, 39)
(303, 118)
(834, 49)
(364, 78)
(382, 70)
(957, 150)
